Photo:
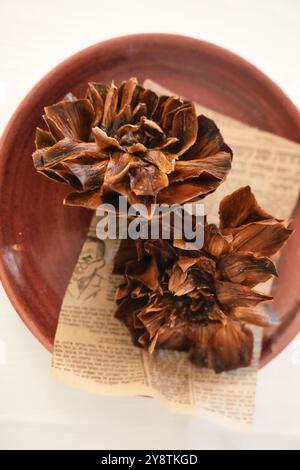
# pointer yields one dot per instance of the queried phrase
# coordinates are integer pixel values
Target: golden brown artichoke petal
(150, 98)
(231, 347)
(159, 109)
(223, 347)
(123, 291)
(169, 142)
(136, 97)
(151, 127)
(53, 175)
(177, 279)
(139, 111)
(64, 150)
(43, 138)
(246, 269)
(147, 180)
(53, 129)
(118, 167)
(209, 141)
(185, 128)
(126, 252)
(186, 287)
(215, 314)
(61, 174)
(241, 208)
(139, 291)
(126, 92)
(72, 118)
(199, 344)
(182, 282)
(206, 264)
(116, 188)
(128, 309)
(162, 160)
(137, 148)
(127, 129)
(152, 319)
(264, 238)
(174, 338)
(187, 191)
(100, 88)
(216, 166)
(252, 316)
(89, 176)
(215, 242)
(103, 141)
(96, 94)
(89, 199)
(161, 249)
(163, 333)
(237, 295)
(146, 272)
(185, 262)
(123, 117)
(169, 106)
(110, 107)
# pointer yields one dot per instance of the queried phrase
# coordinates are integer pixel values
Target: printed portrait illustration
(87, 278)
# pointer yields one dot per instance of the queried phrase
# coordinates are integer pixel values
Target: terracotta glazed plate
(40, 239)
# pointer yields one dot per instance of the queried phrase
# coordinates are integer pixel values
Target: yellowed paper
(93, 350)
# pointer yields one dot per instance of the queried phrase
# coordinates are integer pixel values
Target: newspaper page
(93, 350)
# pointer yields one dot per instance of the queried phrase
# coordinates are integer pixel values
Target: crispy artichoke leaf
(53, 175)
(231, 347)
(237, 295)
(187, 191)
(216, 166)
(72, 118)
(152, 319)
(96, 94)
(103, 141)
(209, 141)
(169, 106)
(64, 150)
(174, 338)
(147, 180)
(88, 199)
(43, 138)
(264, 238)
(150, 99)
(241, 208)
(222, 347)
(246, 269)
(215, 243)
(185, 127)
(162, 160)
(118, 168)
(89, 176)
(252, 316)
(146, 272)
(126, 92)
(110, 107)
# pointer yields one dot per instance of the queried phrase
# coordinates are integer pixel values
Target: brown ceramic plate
(40, 239)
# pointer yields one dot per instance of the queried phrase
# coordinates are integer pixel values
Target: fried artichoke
(202, 301)
(128, 141)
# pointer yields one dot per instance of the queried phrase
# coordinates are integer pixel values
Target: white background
(37, 412)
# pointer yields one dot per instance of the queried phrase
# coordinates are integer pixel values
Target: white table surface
(38, 412)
